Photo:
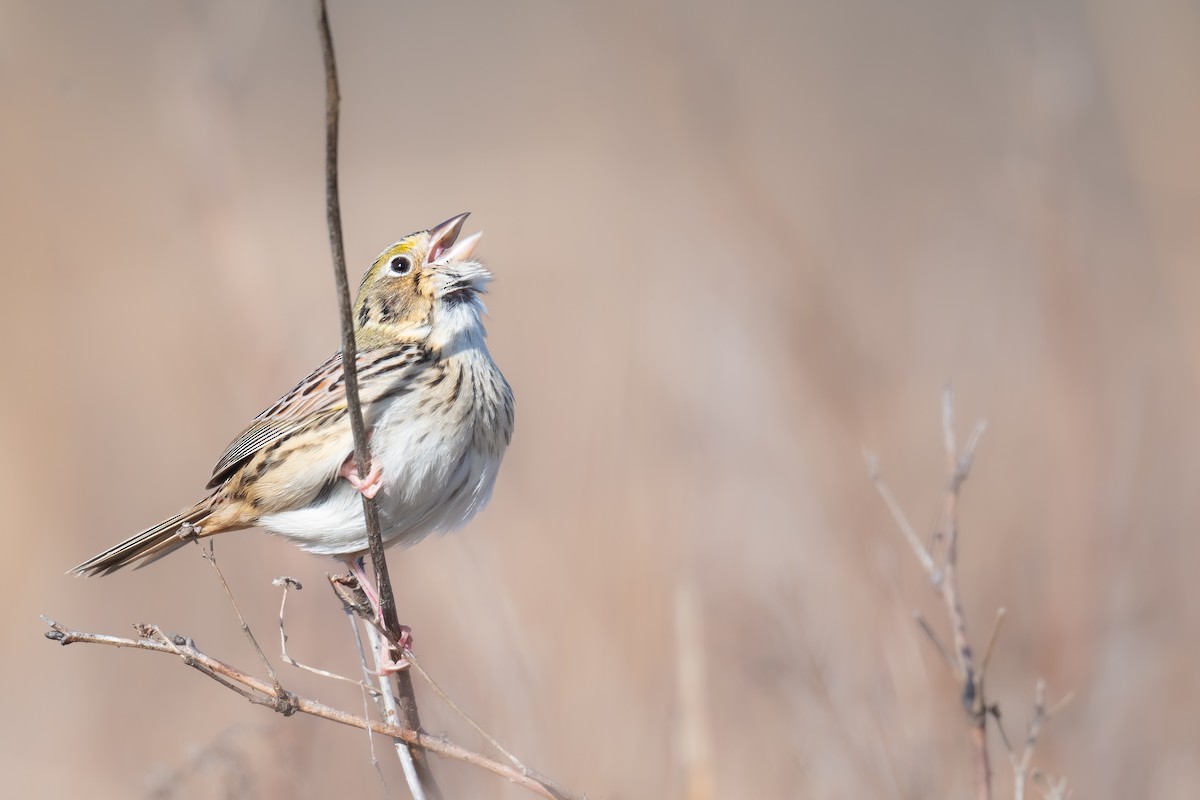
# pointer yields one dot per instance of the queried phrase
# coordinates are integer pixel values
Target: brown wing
(380, 372)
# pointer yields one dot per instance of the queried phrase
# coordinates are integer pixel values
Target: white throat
(458, 327)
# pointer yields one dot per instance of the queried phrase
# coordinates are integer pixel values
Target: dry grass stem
(445, 698)
(208, 552)
(291, 583)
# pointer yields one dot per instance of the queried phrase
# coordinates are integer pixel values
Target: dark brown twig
(362, 453)
(406, 699)
(991, 642)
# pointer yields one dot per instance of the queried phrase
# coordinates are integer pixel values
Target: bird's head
(423, 284)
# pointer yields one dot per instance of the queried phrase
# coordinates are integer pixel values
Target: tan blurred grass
(733, 244)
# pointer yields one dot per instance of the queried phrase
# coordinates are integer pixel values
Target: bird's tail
(149, 545)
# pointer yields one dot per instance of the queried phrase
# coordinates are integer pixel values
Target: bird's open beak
(443, 237)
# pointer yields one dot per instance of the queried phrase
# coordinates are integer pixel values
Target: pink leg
(356, 568)
(370, 485)
(386, 665)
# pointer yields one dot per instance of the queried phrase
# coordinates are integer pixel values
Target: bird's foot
(384, 661)
(385, 664)
(370, 484)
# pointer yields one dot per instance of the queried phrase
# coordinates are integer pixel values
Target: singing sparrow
(438, 412)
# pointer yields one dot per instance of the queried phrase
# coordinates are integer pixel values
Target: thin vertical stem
(406, 701)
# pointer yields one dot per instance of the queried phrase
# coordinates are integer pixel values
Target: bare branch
(945, 580)
(937, 641)
(920, 551)
(264, 693)
(962, 661)
(1021, 765)
(968, 454)
(1055, 788)
(1054, 710)
(1003, 736)
(972, 694)
(991, 642)
(948, 420)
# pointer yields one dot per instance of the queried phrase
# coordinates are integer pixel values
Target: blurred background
(733, 245)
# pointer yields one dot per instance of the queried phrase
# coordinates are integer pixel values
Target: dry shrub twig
(939, 559)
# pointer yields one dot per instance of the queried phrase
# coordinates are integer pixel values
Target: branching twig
(944, 577)
(922, 553)
(961, 658)
(1022, 764)
(991, 642)
(959, 466)
(1056, 788)
(937, 641)
(264, 693)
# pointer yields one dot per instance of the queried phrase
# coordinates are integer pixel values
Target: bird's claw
(368, 485)
(385, 663)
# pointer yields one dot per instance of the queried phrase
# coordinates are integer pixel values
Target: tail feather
(149, 545)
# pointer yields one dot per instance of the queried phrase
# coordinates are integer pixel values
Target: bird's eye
(400, 265)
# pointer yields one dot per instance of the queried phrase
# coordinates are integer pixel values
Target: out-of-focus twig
(936, 640)
(944, 577)
(1055, 788)
(1021, 764)
(696, 750)
(959, 466)
(923, 554)
(961, 658)
(991, 642)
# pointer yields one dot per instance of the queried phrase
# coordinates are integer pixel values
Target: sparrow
(438, 412)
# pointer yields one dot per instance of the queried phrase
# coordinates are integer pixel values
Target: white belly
(435, 478)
